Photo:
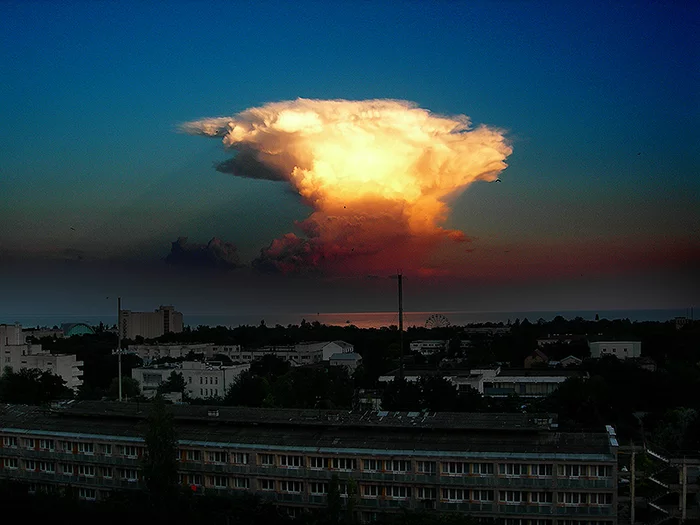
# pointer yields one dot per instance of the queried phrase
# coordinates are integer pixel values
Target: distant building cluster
(17, 354)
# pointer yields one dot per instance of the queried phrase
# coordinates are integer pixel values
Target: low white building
(297, 354)
(428, 347)
(350, 360)
(178, 351)
(495, 382)
(202, 380)
(620, 349)
(18, 355)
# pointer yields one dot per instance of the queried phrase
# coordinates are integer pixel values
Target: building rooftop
(409, 432)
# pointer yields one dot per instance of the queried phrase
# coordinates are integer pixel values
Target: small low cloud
(215, 254)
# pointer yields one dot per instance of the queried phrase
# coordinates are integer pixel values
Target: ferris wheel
(437, 321)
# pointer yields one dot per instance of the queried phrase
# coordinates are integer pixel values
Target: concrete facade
(149, 324)
(18, 355)
(620, 349)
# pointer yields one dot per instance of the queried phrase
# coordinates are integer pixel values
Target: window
(86, 470)
(220, 482)
(398, 465)
(241, 483)
(601, 471)
(9, 441)
(482, 495)
(86, 448)
(398, 492)
(67, 469)
(425, 493)
(107, 472)
(511, 496)
(267, 459)
(291, 486)
(371, 465)
(106, 449)
(10, 463)
(513, 469)
(455, 494)
(371, 491)
(427, 467)
(540, 470)
(87, 494)
(67, 446)
(540, 497)
(291, 461)
(343, 463)
(572, 471)
(482, 468)
(29, 464)
(574, 498)
(240, 458)
(218, 457)
(29, 443)
(129, 474)
(600, 498)
(266, 484)
(130, 451)
(46, 444)
(47, 466)
(193, 455)
(453, 467)
(318, 488)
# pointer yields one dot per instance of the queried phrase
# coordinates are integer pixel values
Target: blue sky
(601, 104)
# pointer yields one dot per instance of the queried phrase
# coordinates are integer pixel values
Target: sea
(362, 319)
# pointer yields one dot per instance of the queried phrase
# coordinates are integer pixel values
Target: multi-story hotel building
(149, 324)
(516, 468)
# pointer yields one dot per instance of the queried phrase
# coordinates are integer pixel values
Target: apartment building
(18, 355)
(516, 468)
(620, 349)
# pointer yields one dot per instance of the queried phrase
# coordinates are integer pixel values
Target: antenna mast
(119, 343)
(400, 279)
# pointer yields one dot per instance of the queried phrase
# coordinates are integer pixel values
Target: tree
(130, 387)
(438, 394)
(174, 383)
(159, 462)
(32, 386)
(335, 503)
(401, 395)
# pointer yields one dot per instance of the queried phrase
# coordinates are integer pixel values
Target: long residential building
(516, 468)
(149, 324)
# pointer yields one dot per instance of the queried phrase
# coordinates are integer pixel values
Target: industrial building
(516, 468)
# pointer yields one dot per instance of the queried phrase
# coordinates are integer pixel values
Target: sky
(502, 155)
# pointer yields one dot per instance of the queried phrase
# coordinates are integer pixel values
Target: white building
(19, 355)
(620, 349)
(428, 347)
(350, 360)
(202, 380)
(149, 324)
(298, 354)
(495, 382)
(177, 351)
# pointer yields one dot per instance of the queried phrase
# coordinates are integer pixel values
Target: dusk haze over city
(281, 160)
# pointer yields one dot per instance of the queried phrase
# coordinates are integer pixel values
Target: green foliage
(159, 461)
(31, 386)
(174, 383)
(130, 388)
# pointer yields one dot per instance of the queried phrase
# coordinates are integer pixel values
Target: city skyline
(595, 108)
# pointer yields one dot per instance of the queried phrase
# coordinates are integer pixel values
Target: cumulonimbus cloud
(215, 254)
(377, 173)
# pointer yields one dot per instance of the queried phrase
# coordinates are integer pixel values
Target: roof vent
(213, 413)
